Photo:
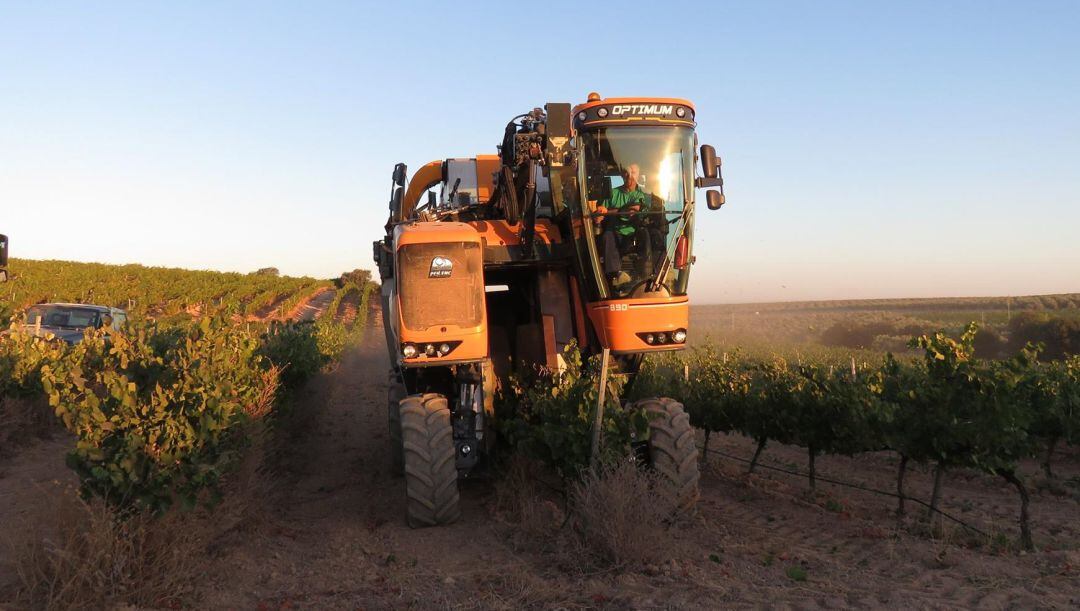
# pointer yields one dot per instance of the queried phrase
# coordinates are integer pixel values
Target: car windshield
(62, 316)
(637, 183)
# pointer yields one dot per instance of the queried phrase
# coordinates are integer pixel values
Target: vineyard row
(947, 409)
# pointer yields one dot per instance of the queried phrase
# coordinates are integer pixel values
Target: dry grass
(250, 487)
(264, 402)
(530, 510)
(87, 556)
(621, 517)
(621, 520)
(520, 589)
(23, 419)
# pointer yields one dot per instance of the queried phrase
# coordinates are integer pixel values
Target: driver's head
(630, 175)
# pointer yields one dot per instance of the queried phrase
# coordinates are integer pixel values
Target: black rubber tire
(394, 394)
(672, 447)
(430, 469)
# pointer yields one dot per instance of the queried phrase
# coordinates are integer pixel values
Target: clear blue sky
(870, 149)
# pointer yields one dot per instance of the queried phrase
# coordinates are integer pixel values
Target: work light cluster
(410, 350)
(659, 338)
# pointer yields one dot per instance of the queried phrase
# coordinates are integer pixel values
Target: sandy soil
(348, 308)
(333, 535)
(314, 305)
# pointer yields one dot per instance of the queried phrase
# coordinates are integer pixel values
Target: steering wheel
(633, 287)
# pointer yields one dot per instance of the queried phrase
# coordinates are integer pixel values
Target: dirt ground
(314, 305)
(333, 535)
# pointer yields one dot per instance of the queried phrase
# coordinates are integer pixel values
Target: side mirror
(710, 167)
(399, 174)
(395, 201)
(709, 162)
(397, 191)
(558, 132)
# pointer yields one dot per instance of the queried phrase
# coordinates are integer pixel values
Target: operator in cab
(623, 230)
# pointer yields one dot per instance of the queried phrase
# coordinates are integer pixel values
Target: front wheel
(672, 448)
(430, 463)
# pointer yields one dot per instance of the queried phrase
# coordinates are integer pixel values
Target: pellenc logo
(441, 267)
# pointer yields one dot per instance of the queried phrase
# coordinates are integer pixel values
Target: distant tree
(990, 344)
(863, 333)
(268, 271)
(359, 277)
(1059, 334)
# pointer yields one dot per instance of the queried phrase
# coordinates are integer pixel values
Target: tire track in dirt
(313, 307)
(337, 536)
(348, 308)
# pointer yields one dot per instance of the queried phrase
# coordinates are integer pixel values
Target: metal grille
(456, 299)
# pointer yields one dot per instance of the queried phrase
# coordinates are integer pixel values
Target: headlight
(443, 349)
(680, 112)
(429, 350)
(408, 351)
(664, 338)
(602, 112)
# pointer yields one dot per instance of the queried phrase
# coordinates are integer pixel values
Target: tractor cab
(631, 194)
(638, 202)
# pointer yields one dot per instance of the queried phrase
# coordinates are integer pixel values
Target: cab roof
(85, 306)
(596, 100)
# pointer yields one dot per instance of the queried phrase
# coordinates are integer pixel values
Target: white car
(69, 321)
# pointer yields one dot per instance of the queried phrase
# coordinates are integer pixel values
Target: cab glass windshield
(62, 316)
(637, 184)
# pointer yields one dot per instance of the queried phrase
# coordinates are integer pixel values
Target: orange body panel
(486, 168)
(426, 233)
(501, 233)
(474, 339)
(425, 178)
(618, 321)
(431, 174)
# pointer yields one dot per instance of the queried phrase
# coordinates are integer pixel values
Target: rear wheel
(430, 467)
(672, 449)
(394, 394)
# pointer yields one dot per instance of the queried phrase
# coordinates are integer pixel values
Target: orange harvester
(580, 230)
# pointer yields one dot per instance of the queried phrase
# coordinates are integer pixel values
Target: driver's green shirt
(621, 198)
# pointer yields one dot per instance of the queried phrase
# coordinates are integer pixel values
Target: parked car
(69, 321)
